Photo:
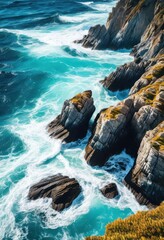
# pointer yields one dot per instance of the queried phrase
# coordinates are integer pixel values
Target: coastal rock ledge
(62, 189)
(146, 179)
(72, 123)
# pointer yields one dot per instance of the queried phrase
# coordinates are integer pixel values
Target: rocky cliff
(125, 25)
(138, 25)
(146, 179)
(135, 124)
(147, 52)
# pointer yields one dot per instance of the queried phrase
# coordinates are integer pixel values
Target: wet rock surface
(110, 191)
(62, 189)
(72, 123)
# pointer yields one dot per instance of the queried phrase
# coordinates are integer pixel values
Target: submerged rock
(62, 189)
(109, 133)
(146, 179)
(110, 191)
(73, 121)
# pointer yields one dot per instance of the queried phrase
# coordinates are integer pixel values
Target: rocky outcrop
(149, 110)
(152, 41)
(73, 121)
(110, 191)
(154, 73)
(125, 76)
(146, 179)
(137, 24)
(125, 25)
(109, 131)
(62, 189)
(125, 125)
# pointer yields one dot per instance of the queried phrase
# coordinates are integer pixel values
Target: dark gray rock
(62, 189)
(125, 76)
(73, 121)
(110, 191)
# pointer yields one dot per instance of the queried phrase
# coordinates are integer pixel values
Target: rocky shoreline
(135, 124)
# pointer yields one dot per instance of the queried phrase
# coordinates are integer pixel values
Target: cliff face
(147, 52)
(137, 24)
(125, 25)
(146, 179)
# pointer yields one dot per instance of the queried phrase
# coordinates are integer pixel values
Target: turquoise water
(40, 68)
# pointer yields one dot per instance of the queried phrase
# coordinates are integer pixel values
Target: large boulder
(110, 128)
(146, 179)
(110, 191)
(62, 189)
(73, 121)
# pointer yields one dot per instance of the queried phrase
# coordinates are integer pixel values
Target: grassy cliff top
(142, 225)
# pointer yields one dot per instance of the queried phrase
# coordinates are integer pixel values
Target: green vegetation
(150, 95)
(79, 99)
(145, 225)
(111, 112)
(158, 140)
(155, 71)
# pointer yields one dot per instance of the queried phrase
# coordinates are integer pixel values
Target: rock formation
(149, 110)
(109, 131)
(110, 191)
(146, 179)
(131, 22)
(125, 76)
(73, 121)
(125, 25)
(62, 189)
(138, 25)
(154, 73)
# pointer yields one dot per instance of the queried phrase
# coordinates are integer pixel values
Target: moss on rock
(111, 112)
(158, 140)
(142, 225)
(150, 95)
(80, 99)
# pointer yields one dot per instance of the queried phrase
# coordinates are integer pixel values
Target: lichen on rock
(146, 179)
(73, 121)
(108, 133)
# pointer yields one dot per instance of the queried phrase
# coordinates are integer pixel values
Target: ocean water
(40, 67)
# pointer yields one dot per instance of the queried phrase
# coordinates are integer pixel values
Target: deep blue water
(40, 67)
